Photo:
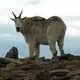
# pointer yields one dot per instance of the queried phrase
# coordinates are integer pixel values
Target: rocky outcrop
(41, 69)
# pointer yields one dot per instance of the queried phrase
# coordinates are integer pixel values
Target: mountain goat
(38, 30)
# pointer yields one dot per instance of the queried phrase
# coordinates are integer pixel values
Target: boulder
(12, 53)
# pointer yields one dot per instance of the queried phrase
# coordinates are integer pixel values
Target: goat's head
(18, 21)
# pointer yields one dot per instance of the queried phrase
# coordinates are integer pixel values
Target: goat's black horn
(20, 14)
(13, 14)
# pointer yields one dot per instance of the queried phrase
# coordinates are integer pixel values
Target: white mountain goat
(38, 30)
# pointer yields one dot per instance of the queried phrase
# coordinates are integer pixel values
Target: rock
(77, 77)
(12, 53)
(66, 57)
(43, 69)
(59, 72)
(42, 75)
(9, 60)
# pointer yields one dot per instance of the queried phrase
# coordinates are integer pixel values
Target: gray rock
(12, 53)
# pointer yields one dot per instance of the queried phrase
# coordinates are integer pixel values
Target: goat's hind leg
(61, 48)
(52, 45)
(61, 44)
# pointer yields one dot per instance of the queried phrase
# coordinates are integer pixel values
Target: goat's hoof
(54, 60)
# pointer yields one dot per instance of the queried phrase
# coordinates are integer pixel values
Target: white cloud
(29, 2)
(49, 7)
(43, 7)
(8, 3)
(12, 37)
(4, 19)
(72, 32)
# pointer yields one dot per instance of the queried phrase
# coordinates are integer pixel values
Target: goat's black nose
(18, 29)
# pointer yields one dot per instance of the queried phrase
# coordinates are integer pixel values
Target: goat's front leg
(31, 50)
(34, 50)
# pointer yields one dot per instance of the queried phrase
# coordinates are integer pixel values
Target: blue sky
(68, 10)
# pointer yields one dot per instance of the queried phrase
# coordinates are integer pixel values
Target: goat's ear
(12, 19)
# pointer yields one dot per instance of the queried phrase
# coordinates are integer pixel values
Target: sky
(68, 10)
